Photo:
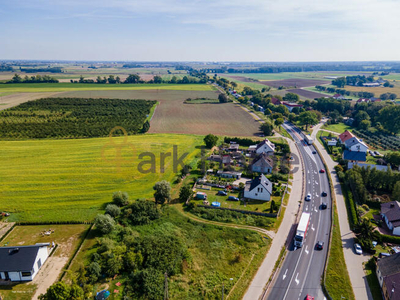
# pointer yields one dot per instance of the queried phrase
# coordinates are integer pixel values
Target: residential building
(355, 144)
(291, 105)
(262, 164)
(22, 263)
(354, 156)
(275, 101)
(259, 188)
(345, 136)
(350, 165)
(265, 147)
(226, 160)
(338, 97)
(388, 273)
(361, 100)
(390, 213)
(332, 142)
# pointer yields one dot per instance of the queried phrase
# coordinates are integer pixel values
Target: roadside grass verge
(370, 271)
(337, 279)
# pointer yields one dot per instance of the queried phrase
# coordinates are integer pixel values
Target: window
(25, 274)
(261, 190)
(39, 263)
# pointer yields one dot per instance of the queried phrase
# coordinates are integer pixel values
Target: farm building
(201, 196)
(291, 105)
(259, 188)
(338, 97)
(275, 101)
(22, 263)
(390, 213)
(229, 174)
(371, 84)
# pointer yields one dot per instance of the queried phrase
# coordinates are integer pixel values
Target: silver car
(357, 249)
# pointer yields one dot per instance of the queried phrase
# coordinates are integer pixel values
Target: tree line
(74, 118)
(33, 79)
(135, 78)
(40, 70)
(344, 92)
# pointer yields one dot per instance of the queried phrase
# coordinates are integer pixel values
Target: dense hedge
(73, 118)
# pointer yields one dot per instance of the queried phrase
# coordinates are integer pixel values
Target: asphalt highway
(303, 267)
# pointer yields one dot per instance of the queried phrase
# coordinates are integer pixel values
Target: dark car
(221, 193)
(323, 205)
(314, 152)
(324, 194)
(320, 245)
(233, 198)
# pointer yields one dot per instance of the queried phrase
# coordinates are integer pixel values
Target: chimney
(391, 204)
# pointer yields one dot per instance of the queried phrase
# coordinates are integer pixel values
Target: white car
(308, 198)
(357, 249)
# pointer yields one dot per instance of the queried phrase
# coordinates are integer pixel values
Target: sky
(200, 30)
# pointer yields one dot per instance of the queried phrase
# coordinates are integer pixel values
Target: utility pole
(222, 290)
(166, 286)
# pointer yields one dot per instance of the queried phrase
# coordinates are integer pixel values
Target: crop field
(72, 180)
(7, 101)
(64, 87)
(294, 82)
(283, 76)
(376, 90)
(307, 94)
(174, 116)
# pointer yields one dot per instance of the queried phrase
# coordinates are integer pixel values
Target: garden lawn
(73, 180)
(64, 87)
(339, 128)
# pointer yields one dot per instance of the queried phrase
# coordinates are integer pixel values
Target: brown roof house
(388, 273)
(390, 213)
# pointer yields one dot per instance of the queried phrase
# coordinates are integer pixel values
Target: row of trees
(344, 92)
(33, 79)
(74, 117)
(135, 78)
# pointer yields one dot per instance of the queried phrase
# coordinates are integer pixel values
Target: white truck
(301, 230)
(308, 139)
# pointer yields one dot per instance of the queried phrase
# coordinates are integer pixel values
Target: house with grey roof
(262, 164)
(355, 144)
(388, 273)
(259, 188)
(350, 165)
(390, 213)
(265, 147)
(22, 263)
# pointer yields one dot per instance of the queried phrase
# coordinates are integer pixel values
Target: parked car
(233, 198)
(308, 198)
(320, 245)
(323, 205)
(357, 249)
(322, 171)
(324, 194)
(222, 193)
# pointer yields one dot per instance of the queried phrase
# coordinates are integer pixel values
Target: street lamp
(223, 288)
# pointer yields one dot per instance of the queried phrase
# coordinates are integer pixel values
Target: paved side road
(260, 280)
(353, 261)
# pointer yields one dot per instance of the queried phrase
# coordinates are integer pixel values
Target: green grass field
(339, 128)
(64, 87)
(66, 180)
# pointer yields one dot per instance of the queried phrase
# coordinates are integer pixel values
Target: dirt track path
(16, 99)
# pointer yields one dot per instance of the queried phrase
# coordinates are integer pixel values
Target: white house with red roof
(345, 136)
(338, 97)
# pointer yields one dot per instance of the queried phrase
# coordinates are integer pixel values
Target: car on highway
(222, 193)
(320, 245)
(324, 194)
(314, 152)
(357, 249)
(323, 205)
(233, 198)
(322, 171)
(308, 297)
(308, 197)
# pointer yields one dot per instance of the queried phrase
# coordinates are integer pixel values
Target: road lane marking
(305, 250)
(297, 281)
(312, 227)
(284, 275)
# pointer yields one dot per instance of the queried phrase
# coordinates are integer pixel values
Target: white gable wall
(358, 148)
(258, 193)
(265, 149)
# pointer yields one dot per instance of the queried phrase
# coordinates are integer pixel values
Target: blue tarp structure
(216, 204)
(103, 295)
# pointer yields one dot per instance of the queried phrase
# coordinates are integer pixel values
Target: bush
(120, 198)
(105, 223)
(141, 212)
(113, 210)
